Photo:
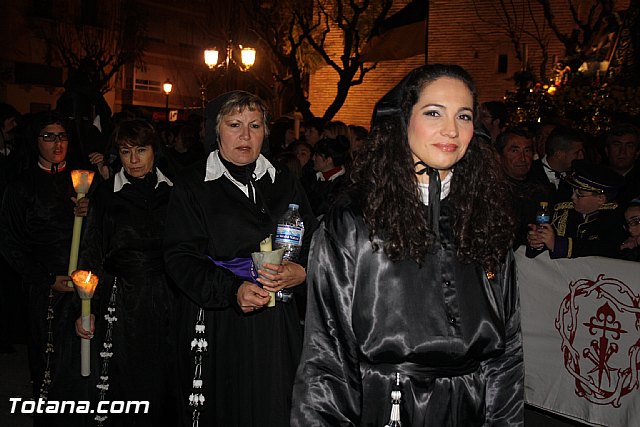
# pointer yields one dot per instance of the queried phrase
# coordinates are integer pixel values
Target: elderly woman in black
(236, 356)
(413, 311)
(122, 244)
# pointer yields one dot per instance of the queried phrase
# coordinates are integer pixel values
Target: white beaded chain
(199, 346)
(46, 379)
(107, 349)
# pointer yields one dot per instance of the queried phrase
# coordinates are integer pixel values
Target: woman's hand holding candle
(60, 285)
(267, 246)
(287, 275)
(82, 206)
(251, 297)
(81, 332)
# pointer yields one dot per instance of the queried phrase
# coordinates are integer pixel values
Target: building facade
(472, 33)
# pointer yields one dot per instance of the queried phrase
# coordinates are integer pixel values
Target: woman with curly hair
(412, 283)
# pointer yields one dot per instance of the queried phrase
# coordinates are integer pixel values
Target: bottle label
(543, 219)
(289, 234)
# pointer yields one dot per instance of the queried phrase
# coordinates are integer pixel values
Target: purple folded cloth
(241, 267)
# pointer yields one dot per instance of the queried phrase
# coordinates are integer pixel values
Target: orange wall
(456, 35)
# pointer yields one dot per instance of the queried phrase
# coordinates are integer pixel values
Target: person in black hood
(36, 223)
(122, 244)
(330, 157)
(236, 356)
(412, 293)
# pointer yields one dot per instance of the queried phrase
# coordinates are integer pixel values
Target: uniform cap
(589, 177)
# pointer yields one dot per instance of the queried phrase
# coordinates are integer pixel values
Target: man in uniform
(591, 224)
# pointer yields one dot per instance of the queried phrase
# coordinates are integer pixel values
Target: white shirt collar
(215, 169)
(119, 180)
(445, 189)
(320, 176)
(551, 174)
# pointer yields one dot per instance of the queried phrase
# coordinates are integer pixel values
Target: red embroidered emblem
(599, 322)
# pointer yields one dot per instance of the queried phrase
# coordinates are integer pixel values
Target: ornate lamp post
(211, 57)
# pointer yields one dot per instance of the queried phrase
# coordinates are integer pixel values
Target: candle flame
(85, 283)
(81, 180)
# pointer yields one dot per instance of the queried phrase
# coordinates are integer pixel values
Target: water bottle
(289, 233)
(542, 217)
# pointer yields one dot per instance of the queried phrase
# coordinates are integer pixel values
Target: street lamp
(247, 57)
(211, 56)
(167, 87)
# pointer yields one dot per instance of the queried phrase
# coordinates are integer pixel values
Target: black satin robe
(123, 239)
(250, 364)
(452, 334)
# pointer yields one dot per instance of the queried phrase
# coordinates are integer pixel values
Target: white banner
(581, 331)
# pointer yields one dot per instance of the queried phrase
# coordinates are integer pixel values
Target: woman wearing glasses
(591, 224)
(36, 222)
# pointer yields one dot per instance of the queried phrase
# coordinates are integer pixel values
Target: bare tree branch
(304, 47)
(98, 52)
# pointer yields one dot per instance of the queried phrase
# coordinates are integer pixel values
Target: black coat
(538, 176)
(526, 196)
(451, 333)
(631, 186)
(322, 194)
(36, 223)
(123, 240)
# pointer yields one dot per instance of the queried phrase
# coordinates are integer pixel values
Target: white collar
(550, 172)
(445, 187)
(320, 176)
(119, 180)
(215, 169)
(61, 166)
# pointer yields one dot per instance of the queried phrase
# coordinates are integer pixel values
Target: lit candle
(81, 183)
(265, 246)
(85, 283)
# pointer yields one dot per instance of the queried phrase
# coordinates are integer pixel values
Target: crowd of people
(405, 306)
(589, 182)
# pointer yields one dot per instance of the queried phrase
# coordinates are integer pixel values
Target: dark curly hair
(384, 181)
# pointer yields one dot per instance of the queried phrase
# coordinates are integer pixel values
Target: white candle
(85, 283)
(85, 344)
(266, 246)
(81, 182)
